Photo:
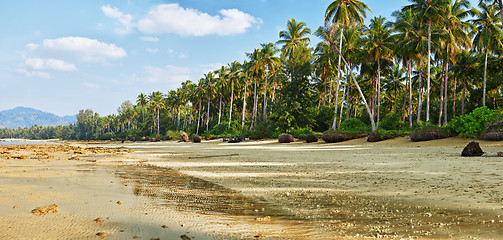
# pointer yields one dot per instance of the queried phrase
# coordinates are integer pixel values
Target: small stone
(99, 220)
(164, 226)
(119, 202)
(102, 234)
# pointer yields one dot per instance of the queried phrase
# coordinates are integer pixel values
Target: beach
(394, 189)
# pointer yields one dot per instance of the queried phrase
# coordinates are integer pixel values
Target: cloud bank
(174, 19)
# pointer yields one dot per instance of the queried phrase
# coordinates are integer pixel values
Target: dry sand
(250, 190)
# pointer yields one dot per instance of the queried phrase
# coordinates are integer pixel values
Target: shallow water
(25, 142)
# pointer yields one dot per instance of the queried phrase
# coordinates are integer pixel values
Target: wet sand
(257, 190)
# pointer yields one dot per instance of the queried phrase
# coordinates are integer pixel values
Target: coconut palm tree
(156, 101)
(345, 13)
(221, 85)
(257, 70)
(456, 37)
(235, 73)
(142, 101)
(296, 34)
(430, 11)
(379, 45)
(488, 36)
(270, 63)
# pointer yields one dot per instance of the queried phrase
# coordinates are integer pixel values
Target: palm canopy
(295, 35)
(347, 12)
(488, 33)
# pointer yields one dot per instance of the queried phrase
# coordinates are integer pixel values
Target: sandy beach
(393, 189)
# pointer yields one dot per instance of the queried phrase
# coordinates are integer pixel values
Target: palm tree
(141, 100)
(270, 63)
(324, 65)
(256, 69)
(455, 38)
(379, 45)
(345, 13)
(221, 85)
(209, 80)
(464, 68)
(157, 101)
(294, 36)
(488, 36)
(235, 74)
(430, 11)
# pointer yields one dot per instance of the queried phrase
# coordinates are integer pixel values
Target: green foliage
(170, 134)
(392, 121)
(353, 125)
(473, 124)
(265, 129)
(302, 132)
(429, 132)
(323, 118)
(106, 136)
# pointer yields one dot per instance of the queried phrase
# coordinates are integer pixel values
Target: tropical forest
(437, 65)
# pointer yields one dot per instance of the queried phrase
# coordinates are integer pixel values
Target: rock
(119, 202)
(44, 210)
(374, 137)
(184, 137)
(263, 219)
(285, 138)
(472, 150)
(311, 138)
(102, 234)
(99, 220)
(196, 139)
(185, 237)
(236, 139)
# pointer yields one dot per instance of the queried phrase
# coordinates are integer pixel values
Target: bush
(381, 135)
(170, 134)
(493, 133)
(429, 132)
(354, 125)
(106, 136)
(392, 122)
(264, 129)
(338, 136)
(302, 133)
(473, 124)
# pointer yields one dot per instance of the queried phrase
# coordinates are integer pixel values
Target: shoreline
(339, 189)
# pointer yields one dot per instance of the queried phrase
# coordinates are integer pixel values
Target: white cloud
(37, 74)
(149, 39)
(91, 85)
(32, 46)
(176, 54)
(171, 75)
(51, 63)
(85, 49)
(124, 19)
(174, 19)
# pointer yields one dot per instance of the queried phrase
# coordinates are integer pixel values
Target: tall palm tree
(456, 37)
(221, 85)
(256, 70)
(488, 37)
(345, 13)
(142, 101)
(210, 90)
(379, 45)
(324, 65)
(430, 11)
(270, 63)
(157, 101)
(235, 74)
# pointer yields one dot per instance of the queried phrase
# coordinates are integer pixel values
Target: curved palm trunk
(198, 118)
(485, 77)
(178, 120)
(230, 109)
(265, 100)
(428, 74)
(410, 93)
(158, 122)
(372, 122)
(463, 96)
(208, 115)
(454, 98)
(244, 108)
(441, 97)
(254, 113)
(338, 80)
(378, 90)
(445, 89)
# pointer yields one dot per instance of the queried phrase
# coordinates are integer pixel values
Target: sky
(61, 56)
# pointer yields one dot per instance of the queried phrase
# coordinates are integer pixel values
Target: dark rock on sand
(285, 138)
(472, 150)
(196, 139)
(236, 139)
(311, 138)
(184, 137)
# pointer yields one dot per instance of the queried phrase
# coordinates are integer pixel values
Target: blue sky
(61, 56)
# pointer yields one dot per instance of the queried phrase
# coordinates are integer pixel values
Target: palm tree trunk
(500, 2)
(420, 87)
(441, 97)
(454, 98)
(220, 109)
(410, 92)
(265, 100)
(445, 89)
(158, 127)
(230, 109)
(484, 83)
(348, 99)
(338, 80)
(342, 104)
(378, 90)
(208, 115)
(244, 108)
(254, 111)
(463, 98)
(198, 117)
(178, 123)
(428, 73)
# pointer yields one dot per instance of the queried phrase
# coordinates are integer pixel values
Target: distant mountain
(27, 117)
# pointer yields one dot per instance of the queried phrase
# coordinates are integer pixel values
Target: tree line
(437, 60)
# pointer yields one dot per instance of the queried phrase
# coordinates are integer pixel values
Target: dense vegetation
(438, 60)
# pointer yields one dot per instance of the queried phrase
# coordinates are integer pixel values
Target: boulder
(236, 139)
(285, 138)
(311, 138)
(184, 137)
(196, 139)
(472, 150)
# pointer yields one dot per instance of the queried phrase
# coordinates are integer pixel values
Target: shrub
(473, 124)
(339, 136)
(392, 122)
(354, 125)
(302, 133)
(429, 132)
(170, 134)
(106, 136)
(493, 133)
(265, 129)
(381, 135)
